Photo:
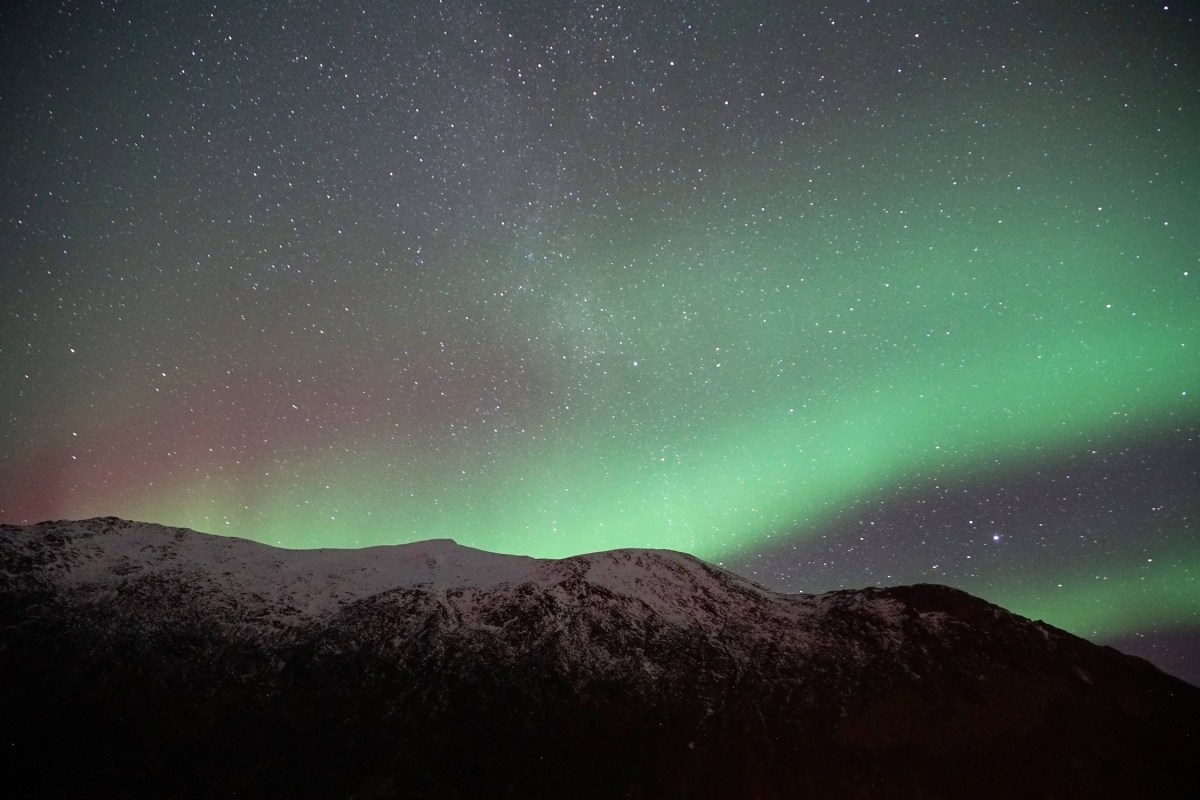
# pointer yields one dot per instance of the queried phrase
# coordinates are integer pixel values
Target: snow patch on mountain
(105, 552)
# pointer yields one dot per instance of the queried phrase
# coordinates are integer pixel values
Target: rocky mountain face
(143, 661)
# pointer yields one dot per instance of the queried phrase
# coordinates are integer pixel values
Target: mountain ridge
(435, 670)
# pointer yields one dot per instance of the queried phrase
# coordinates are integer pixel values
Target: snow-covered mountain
(138, 660)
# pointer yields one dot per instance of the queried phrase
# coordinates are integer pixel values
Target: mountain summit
(143, 661)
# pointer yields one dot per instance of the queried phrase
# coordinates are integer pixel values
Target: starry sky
(835, 295)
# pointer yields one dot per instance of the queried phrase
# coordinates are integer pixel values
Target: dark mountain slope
(142, 661)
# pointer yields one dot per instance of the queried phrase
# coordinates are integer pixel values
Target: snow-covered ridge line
(103, 552)
(368, 657)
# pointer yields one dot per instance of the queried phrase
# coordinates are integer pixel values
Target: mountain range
(141, 661)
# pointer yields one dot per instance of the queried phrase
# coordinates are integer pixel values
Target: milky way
(862, 293)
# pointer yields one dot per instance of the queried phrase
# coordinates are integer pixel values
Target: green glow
(736, 391)
(1101, 602)
(725, 282)
(962, 282)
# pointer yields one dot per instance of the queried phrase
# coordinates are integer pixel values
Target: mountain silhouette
(138, 660)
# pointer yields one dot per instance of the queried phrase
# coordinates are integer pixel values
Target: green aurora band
(1099, 603)
(739, 392)
(950, 286)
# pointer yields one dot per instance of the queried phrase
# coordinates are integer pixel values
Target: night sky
(861, 293)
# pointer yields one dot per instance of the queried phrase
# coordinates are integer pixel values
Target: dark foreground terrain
(141, 661)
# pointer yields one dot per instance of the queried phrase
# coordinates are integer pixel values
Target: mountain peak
(164, 662)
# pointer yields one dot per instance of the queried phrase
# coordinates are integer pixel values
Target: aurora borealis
(833, 294)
